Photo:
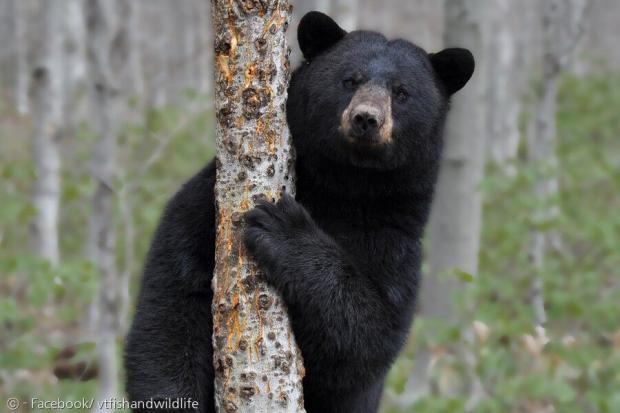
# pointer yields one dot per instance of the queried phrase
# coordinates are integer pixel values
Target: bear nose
(365, 119)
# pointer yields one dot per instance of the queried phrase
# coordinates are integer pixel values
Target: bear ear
(454, 67)
(316, 33)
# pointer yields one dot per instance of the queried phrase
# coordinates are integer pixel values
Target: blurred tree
(419, 21)
(504, 86)
(345, 12)
(47, 85)
(457, 208)
(562, 22)
(598, 52)
(108, 50)
(135, 72)
(74, 64)
(456, 215)
(323, 6)
(254, 160)
(204, 49)
(18, 15)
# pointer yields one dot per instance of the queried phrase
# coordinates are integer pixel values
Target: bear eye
(349, 83)
(401, 94)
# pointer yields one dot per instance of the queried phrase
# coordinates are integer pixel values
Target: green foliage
(574, 365)
(44, 310)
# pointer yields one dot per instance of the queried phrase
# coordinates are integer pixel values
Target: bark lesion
(251, 62)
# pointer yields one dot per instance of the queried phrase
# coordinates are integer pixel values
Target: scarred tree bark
(257, 362)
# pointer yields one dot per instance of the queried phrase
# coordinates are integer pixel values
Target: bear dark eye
(401, 94)
(349, 83)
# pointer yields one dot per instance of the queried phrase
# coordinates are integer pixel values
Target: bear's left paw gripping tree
(258, 366)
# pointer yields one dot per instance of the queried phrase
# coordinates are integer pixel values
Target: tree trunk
(456, 214)
(323, 6)
(503, 88)
(74, 64)
(20, 91)
(47, 91)
(205, 51)
(345, 12)
(457, 208)
(258, 365)
(135, 73)
(562, 28)
(107, 55)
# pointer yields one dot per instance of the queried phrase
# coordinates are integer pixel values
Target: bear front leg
(346, 330)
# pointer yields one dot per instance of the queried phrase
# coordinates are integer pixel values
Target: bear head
(364, 101)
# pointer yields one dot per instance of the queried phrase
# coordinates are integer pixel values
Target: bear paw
(273, 231)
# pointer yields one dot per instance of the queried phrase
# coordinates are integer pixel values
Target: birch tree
(47, 93)
(562, 22)
(19, 17)
(205, 52)
(258, 365)
(456, 213)
(345, 12)
(74, 63)
(135, 72)
(107, 55)
(504, 84)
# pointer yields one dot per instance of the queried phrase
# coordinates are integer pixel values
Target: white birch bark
(74, 45)
(74, 64)
(47, 92)
(136, 73)
(205, 40)
(504, 90)
(345, 12)
(20, 20)
(107, 52)
(598, 51)
(562, 22)
(323, 6)
(164, 48)
(189, 47)
(258, 365)
(456, 214)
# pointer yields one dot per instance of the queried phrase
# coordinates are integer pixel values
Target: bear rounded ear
(316, 33)
(454, 67)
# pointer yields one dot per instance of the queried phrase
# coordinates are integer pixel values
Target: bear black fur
(345, 254)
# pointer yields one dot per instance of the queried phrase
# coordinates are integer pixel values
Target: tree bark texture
(47, 92)
(258, 365)
(107, 56)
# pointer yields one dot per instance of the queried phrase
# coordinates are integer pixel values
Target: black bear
(366, 116)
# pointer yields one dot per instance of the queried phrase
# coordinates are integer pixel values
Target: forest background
(520, 307)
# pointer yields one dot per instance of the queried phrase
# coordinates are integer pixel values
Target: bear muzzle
(367, 120)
